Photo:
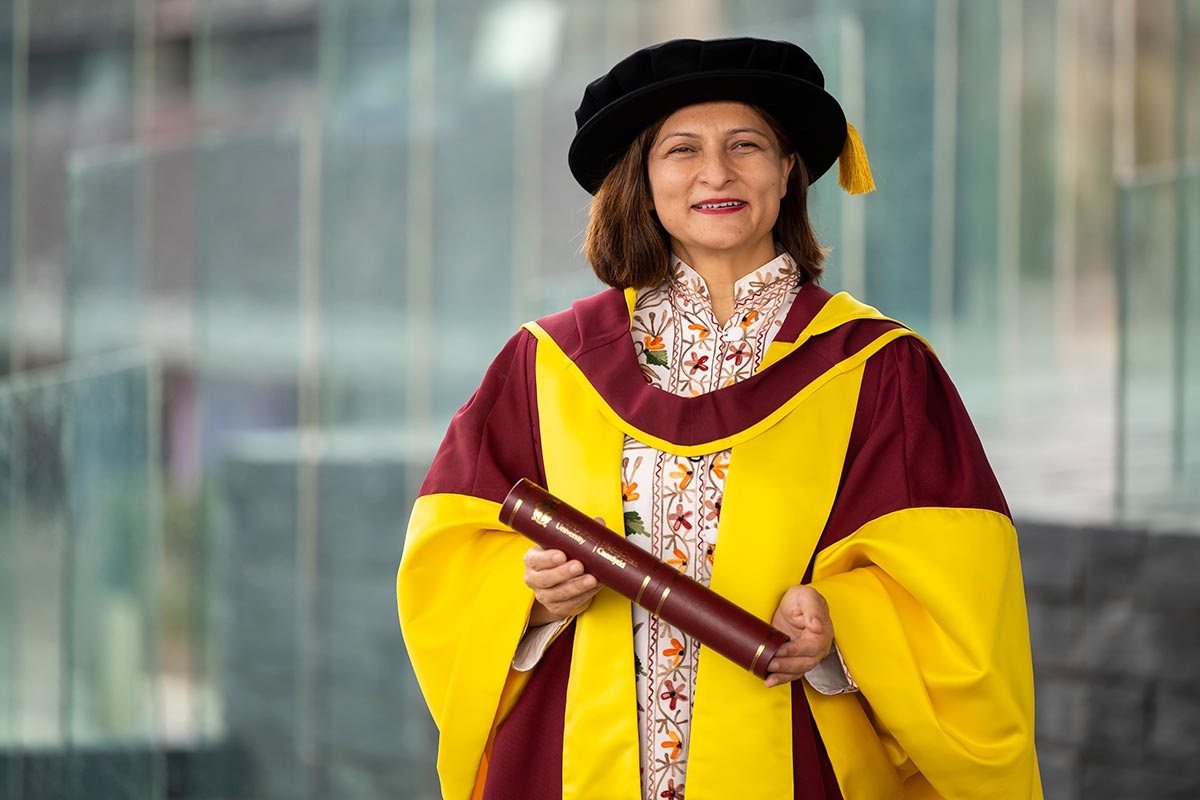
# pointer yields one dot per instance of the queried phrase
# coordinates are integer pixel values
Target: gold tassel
(854, 171)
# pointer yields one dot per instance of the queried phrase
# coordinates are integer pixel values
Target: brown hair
(629, 248)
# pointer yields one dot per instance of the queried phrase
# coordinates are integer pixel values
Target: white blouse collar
(782, 267)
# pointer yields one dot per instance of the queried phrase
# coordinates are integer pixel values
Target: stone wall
(1114, 617)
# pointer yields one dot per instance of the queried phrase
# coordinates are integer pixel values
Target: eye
(681, 148)
(747, 145)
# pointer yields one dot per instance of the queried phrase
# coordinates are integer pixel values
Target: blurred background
(254, 254)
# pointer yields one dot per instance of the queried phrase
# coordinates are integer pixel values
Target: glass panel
(364, 280)
(373, 733)
(254, 63)
(1039, 175)
(1159, 259)
(104, 254)
(81, 80)
(973, 351)
(248, 352)
(79, 556)
(9, 47)
(898, 63)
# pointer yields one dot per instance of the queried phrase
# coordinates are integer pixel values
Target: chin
(723, 244)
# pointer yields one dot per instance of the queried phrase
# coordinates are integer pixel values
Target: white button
(734, 334)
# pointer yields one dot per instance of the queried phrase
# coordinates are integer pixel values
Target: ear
(788, 162)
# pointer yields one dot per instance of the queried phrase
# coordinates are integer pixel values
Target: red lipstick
(720, 205)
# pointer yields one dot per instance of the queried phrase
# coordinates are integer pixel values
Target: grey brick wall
(1114, 617)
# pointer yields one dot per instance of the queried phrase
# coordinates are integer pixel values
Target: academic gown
(854, 468)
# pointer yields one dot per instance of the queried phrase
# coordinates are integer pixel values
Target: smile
(723, 204)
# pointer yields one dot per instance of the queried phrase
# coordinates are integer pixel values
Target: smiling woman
(717, 175)
(628, 244)
(795, 451)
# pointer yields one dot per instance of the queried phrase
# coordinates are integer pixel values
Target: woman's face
(716, 177)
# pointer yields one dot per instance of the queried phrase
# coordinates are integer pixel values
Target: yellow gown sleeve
(462, 602)
(462, 609)
(936, 637)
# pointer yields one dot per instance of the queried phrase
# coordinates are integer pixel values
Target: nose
(715, 169)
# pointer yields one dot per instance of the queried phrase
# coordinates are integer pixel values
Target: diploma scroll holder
(633, 573)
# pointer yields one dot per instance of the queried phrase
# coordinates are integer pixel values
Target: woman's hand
(560, 587)
(804, 616)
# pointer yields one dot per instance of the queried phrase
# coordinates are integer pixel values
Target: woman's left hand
(803, 615)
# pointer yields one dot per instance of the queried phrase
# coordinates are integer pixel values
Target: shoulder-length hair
(629, 248)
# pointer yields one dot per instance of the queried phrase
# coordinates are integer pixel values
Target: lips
(720, 205)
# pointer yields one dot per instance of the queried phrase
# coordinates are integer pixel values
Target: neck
(721, 270)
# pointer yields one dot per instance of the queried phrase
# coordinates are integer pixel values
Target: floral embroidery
(683, 475)
(680, 562)
(719, 465)
(674, 743)
(738, 353)
(672, 505)
(654, 351)
(673, 694)
(712, 508)
(680, 519)
(695, 362)
(675, 651)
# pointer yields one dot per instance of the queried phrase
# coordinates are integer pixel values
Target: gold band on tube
(666, 591)
(757, 656)
(513, 515)
(645, 583)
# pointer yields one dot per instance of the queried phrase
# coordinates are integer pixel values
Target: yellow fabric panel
(581, 453)
(840, 309)
(775, 505)
(461, 634)
(929, 612)
(863, 768)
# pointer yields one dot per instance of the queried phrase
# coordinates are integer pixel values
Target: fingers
(803, 615)
(559, 585)
(570, 603)
(565, 591)
(803, 609)
(539, 558)
(550, 569)
(791, 665)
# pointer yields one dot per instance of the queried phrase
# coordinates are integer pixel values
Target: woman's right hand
(560, 587)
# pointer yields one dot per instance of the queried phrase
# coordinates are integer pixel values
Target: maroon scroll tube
(632, 572)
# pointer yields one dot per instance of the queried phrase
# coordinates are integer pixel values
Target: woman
(794, 450)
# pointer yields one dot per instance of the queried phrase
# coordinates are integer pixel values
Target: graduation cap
(779, 77)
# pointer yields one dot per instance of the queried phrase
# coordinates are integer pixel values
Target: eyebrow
(730, 132)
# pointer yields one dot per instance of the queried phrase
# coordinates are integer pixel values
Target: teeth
(728, 204)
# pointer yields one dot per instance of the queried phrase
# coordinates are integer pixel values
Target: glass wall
(80, 548)
(322, 218)
(1159, 423)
